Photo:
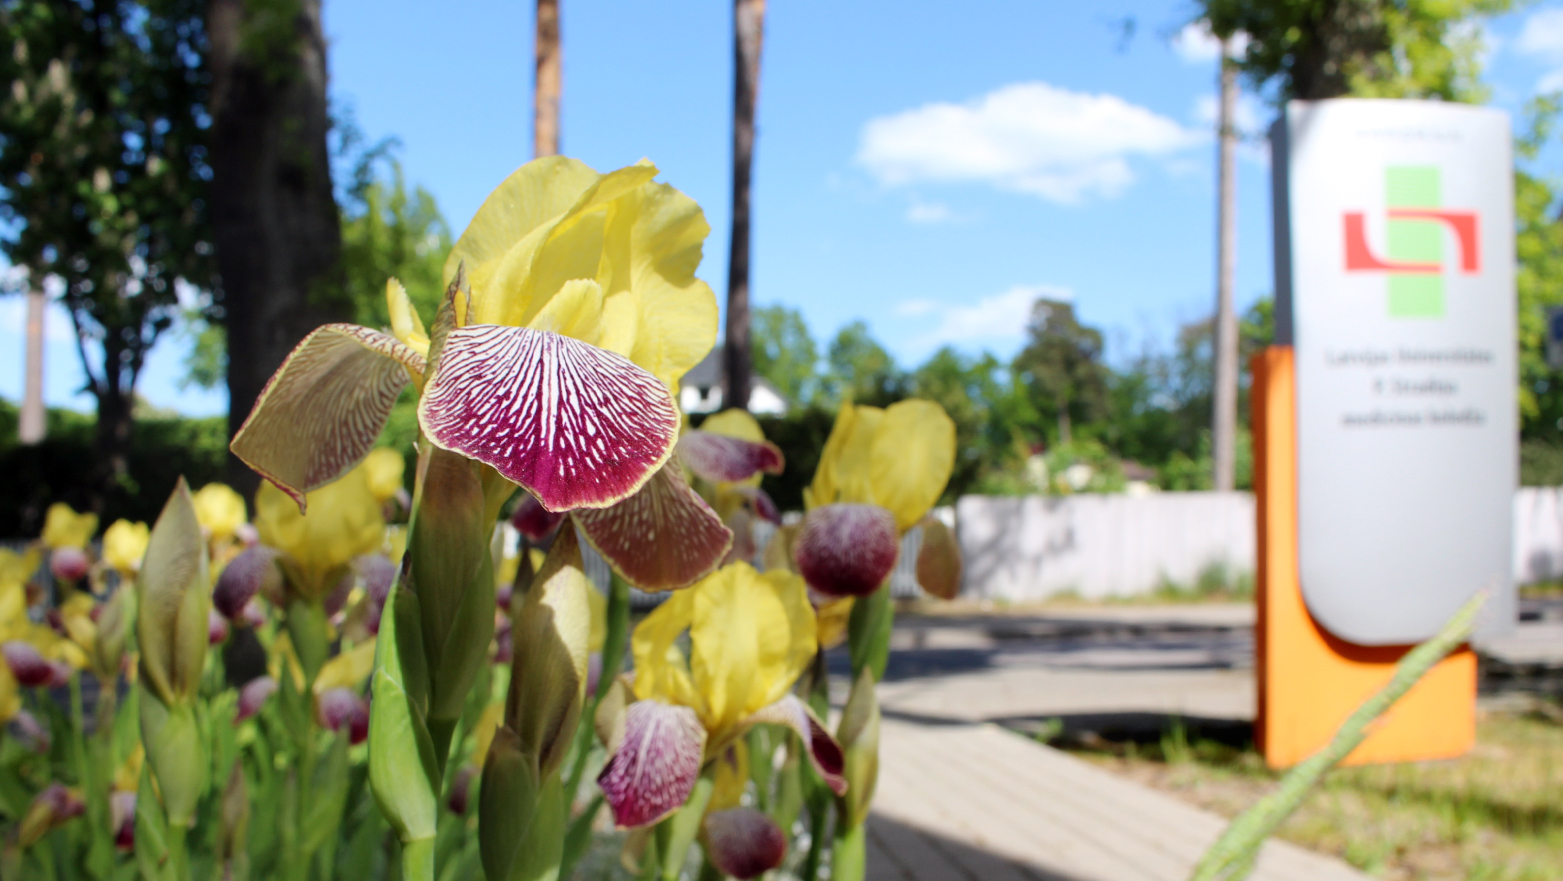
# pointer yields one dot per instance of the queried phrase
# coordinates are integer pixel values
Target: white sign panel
(1395, 284)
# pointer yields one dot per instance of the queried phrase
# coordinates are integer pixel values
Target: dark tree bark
(274, 215)
(548, 81)
(737, 360)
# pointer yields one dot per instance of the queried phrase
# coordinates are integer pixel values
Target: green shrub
(59, 469)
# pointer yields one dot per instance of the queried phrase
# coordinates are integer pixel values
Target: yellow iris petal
(659, 666)
(18, 567)
(555, 220)
(344, 521)
(383, 470)
(912, 455)
(64, 528)
(124, 544)
(732, 777)
(405, 323)
(751, 635)
(734, 422)
(576, 312)
(347, 670)
(219, 509)
(842, 474)
(831, 620)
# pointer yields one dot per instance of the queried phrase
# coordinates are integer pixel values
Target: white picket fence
(1115, 545)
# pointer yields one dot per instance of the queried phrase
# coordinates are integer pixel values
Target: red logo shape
(1359, 258)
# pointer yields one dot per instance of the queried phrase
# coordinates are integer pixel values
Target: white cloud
(929, 212)
(1027, 137)
(1195, 44)
(1542, 34)
(999, 317)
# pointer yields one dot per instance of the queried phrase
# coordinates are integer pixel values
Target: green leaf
(403, 772)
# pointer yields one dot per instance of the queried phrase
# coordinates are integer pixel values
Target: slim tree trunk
(748, 36)
(33, 424)
(548, 82)
(1224, 428)
(273, 214)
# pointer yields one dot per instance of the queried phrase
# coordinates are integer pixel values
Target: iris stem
(849, 854)
(418, 860)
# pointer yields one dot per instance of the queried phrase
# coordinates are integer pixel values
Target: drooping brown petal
(743, 843)
(661, 538)
(533, 520)
(824, 751)
(939, 560)
(719, 457)
(577, 426)
(322, 410)
(656, 765)
(847, 550)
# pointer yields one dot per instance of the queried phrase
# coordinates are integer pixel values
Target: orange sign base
(1309, 680)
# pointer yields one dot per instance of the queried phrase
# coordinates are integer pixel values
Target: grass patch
(1495, 814)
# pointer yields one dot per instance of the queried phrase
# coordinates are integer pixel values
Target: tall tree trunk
(548, 81)
(33, 424)
(748, 36)
(273, 214)
(1224, 427)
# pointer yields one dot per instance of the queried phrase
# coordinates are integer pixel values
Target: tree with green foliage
(1538, 243)
(860, 370)
(784, 352)
(1317, 49)
(103, 183)
(1062, 365)
(969, 389)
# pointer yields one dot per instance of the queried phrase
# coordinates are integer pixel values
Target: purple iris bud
(69, 564)
(216, 627)
(122, 811)
(343, 709)
(253, 696)
(29, 732)
(379, 575)
(28, 666)
(460, 788)
(254, 570)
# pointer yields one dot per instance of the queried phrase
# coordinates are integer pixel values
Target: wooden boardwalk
(975, 802)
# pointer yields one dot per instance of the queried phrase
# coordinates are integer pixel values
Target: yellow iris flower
(344, 522)
(64, 528)
(608, 259)
(219, 509)
(898, 458)
(750, 635)
(124, 544)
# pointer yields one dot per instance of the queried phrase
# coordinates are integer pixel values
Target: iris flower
(220, 510)
(64, 528)
(124, 544)
(880, 473)
(572, 312)
(750, 636)
(343, 523)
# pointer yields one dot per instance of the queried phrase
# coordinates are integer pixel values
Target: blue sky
(929, 168)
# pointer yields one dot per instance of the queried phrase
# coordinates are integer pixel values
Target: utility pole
(748, 36)
(1224, 415)
(548, 82)
(33, 425)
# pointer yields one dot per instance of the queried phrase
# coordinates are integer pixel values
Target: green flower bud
(859, 737)
(174, 594)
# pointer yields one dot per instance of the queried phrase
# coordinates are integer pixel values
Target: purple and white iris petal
(761, 502)
(27, 664)
(661, 538)
(717, 457)
(656, 765)
(743, 843)
(847, 550)
(253, 695)
(321, 411)
(824, 751)
(340, 709)
(575, 425)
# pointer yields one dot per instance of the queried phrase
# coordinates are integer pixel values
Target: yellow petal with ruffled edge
(660, 671)
(219, 509)
(405, 323)
(575, 311)
(64, 528)
(18, 567)
(750, 636)
(662, 232)
(912, 456)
